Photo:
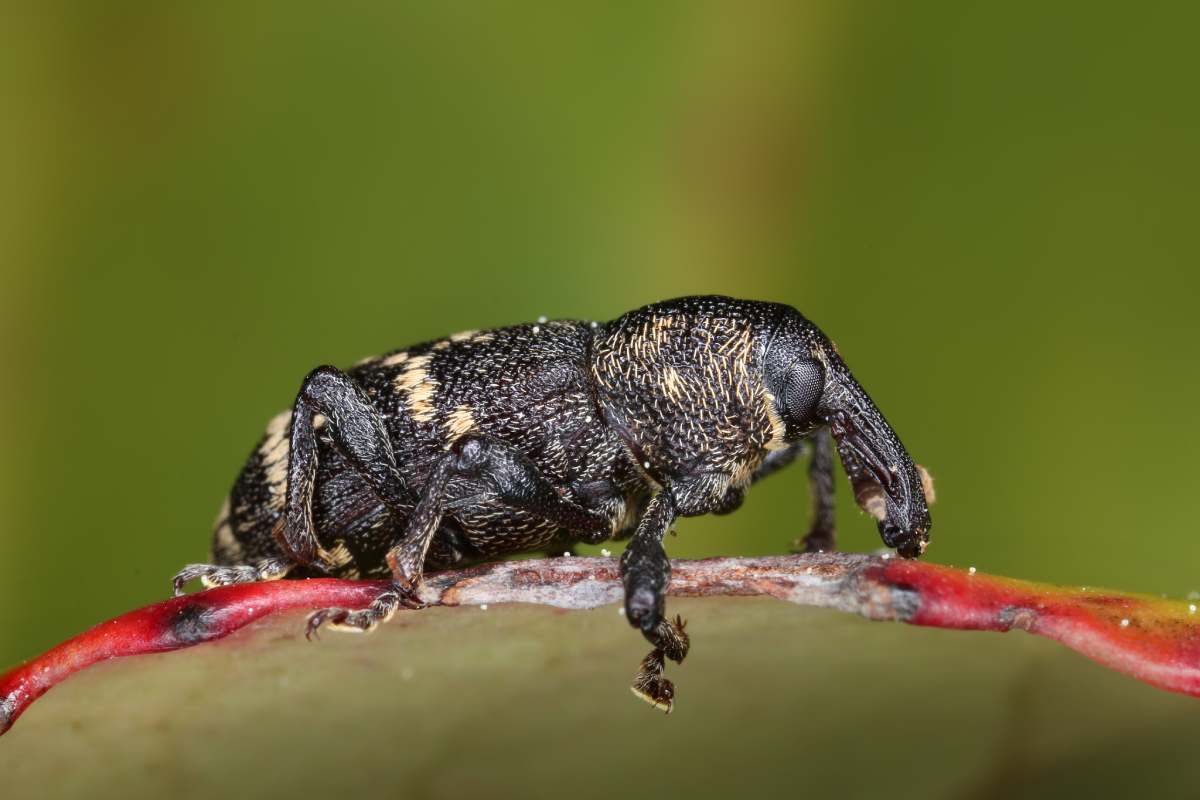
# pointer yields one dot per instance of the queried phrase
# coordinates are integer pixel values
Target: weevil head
(812, 388)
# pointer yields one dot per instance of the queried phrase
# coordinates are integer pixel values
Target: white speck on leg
(1124, 623)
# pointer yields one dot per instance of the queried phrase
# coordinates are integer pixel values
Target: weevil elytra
(538, 436)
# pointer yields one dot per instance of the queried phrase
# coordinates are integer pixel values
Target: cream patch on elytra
(274, 452)
(395, 359)
(459, 422)
(418, 386)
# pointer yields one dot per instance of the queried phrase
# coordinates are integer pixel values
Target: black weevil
(537, 436)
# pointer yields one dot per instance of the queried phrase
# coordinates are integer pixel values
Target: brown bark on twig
(826, 580)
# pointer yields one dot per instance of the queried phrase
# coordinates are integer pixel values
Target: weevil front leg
(646, 573)
(495, 473)
(820, 536)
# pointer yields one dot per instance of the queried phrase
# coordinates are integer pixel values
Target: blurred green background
(990, 207)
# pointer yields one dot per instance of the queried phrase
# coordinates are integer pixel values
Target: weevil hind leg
(358, 430)
(211, 575)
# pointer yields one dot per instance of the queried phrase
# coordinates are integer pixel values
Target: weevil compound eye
(802, 388)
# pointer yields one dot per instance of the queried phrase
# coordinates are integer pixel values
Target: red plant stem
(1152, 639)
(1156, 641)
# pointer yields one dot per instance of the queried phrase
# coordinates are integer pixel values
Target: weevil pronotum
(539, 436)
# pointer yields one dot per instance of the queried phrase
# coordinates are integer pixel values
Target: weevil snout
(887, 484)
(814, 387)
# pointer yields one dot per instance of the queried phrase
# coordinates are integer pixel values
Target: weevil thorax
(681, 382)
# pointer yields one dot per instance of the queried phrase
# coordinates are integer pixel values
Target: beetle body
(536, 436)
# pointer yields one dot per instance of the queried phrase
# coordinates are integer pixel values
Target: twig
(1154, 640)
